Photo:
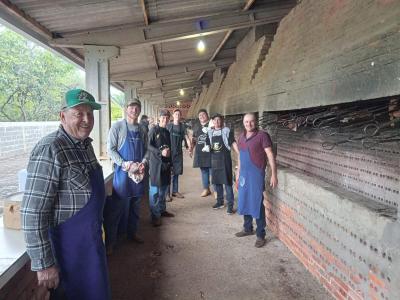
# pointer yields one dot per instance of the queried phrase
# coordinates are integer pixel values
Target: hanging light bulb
(181, 92)
(178, 103)
(201, 46)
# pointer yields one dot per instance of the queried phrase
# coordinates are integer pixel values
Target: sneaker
(230, 211)
(177, 195)
(205, 193)
(136, 239)
(218, 205)
(156, 222)
(260, 242)
(167, 214)
(168, 198)
(244, 233)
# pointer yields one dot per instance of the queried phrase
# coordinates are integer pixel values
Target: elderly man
(178, 134)
(202, 159)
(255, 148)
(62, 207)
(127, 147)
(159, 147)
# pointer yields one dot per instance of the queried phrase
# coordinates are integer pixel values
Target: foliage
(117, 105)
(33, 80)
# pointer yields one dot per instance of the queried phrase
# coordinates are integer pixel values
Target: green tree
(33, 80)
(117, 105)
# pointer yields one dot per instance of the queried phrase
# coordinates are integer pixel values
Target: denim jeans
(205, 177)
(157, 200)
(121, 217)
(175, 183)
(261, 223)
(219, 188)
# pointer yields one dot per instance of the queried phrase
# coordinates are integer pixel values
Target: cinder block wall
(18, 138)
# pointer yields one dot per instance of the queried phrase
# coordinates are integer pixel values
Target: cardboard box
(12, 214)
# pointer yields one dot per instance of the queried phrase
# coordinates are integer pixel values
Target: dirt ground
(196, 256)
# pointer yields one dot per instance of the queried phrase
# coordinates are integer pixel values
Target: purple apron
(79, 249)
(131, 150)
(251, 186)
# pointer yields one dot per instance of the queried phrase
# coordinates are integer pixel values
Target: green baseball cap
(77, 97)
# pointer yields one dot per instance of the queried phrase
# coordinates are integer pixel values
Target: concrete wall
(324, 52)
(18, 138)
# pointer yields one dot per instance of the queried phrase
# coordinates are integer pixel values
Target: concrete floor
(196, 256)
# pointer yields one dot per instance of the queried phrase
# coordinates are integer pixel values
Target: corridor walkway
(196, 256)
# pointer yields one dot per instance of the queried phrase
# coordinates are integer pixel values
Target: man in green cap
(63, 203)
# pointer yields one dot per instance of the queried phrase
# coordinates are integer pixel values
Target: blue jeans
(219, 188)
(157, 200)
(261, 223)
(205, 177)
(174, 185)
(121, 217)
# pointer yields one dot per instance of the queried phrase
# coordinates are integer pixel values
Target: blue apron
(132, 150)
(79, 248)
(251, 186)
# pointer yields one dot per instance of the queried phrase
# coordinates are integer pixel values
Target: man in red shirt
(255, 148)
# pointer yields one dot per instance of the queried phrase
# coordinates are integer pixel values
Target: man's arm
(44, 171)
(272, 163)
(112, 145)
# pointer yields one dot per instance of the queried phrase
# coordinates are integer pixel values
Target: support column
(130, 89)
(98, 84)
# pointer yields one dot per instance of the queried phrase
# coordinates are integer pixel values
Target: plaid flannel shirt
(57, 187)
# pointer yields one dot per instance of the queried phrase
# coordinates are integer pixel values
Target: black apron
(176, 148)
(201, 159)
(221, 162)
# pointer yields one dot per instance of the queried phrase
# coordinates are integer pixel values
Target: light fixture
(201, 46)
(181, 92)
(178, 103)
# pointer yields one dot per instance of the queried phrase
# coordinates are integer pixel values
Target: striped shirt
(57, 187)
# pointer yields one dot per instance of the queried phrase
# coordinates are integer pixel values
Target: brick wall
(351, 249)
(18, 138)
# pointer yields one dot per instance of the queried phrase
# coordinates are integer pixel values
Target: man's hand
(48, 278)
(274, 181)
(165, 152)
(126, 165)
(141, 167)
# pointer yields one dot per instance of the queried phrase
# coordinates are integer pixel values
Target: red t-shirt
(256, 145)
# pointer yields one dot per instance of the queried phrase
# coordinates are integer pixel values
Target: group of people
(64, 204)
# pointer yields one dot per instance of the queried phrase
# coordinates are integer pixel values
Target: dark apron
(251, 186)
(79, 249)
(221, 162)
(201, 159)
(132, 150)
(176, 150)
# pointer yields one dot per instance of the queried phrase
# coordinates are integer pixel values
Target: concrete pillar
(130, 89)
(98, 84)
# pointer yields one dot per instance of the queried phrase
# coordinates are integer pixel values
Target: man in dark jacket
(160, 168)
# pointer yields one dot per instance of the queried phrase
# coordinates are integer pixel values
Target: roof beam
(164, 72)
(124, 36)
(18, 18)
(144, 10)
(246, 7)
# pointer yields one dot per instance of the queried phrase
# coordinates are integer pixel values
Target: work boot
(177, 195)
(167, 214)
(156, 222)
(136, 239)
(205, 193)
(259, 242)
(244, 233)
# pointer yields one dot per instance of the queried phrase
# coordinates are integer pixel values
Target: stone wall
(324, 52)
(17, 138)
